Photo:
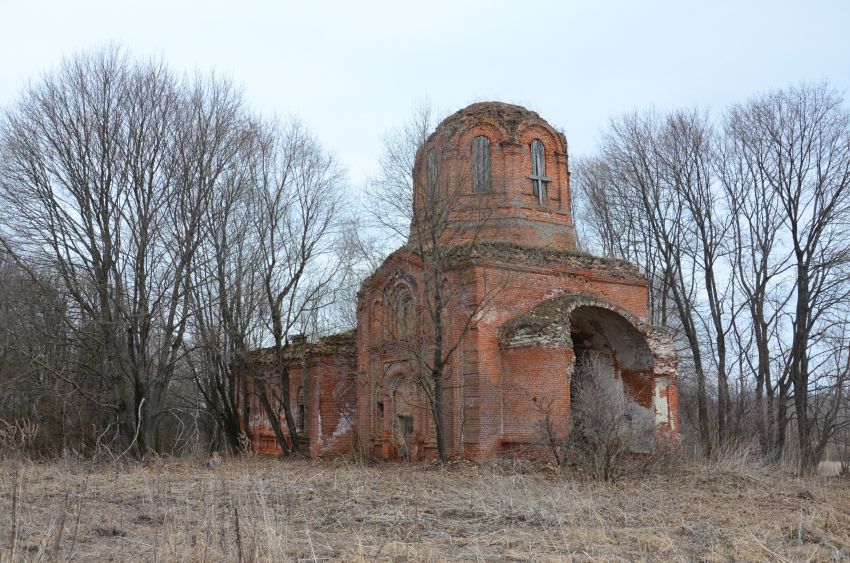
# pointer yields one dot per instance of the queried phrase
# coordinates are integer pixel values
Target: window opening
(538, 171)
(481, 165)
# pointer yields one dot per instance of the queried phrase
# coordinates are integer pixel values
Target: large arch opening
(612, 361)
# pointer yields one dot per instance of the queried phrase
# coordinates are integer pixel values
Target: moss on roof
(342, 343)
(518, 254)
(541, 318)
(508, 115)
(545, 257)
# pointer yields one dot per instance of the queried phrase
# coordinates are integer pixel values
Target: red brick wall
(333, 411)
(489, 390)
(536, 395)
(380, 362)
(329, 385)
(505, 377)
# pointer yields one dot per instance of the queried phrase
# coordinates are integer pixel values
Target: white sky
(352, 69)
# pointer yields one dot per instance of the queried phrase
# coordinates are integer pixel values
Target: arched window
(405, 314)
(301, 412)
(402, 311)
(433, 174)
(481, 165)
(538, 171)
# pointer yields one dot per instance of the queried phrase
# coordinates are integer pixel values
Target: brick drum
(523, 304)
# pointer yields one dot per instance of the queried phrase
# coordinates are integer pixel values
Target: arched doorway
(614, 362)
(401, 415)
(403, 394)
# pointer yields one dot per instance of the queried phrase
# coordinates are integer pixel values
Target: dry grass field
(264, 509)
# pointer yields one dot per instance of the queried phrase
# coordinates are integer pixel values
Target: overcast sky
(352, 69)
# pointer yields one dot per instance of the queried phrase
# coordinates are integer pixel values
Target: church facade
(521, 310)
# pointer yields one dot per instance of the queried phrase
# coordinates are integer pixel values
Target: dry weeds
(263, 509)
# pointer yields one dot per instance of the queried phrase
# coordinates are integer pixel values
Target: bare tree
(227, 301)
(39, 403)
(761, 263)
(551, 433)
(108, 165)
(787, 174)
(689, 155)
(807, 132)
(418, 197)
(750, 232)
(642, 155)
(296, 219)
(614, 225)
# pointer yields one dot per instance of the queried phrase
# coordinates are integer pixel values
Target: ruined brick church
(515, 358)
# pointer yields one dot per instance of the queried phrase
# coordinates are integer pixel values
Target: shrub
(608, 424)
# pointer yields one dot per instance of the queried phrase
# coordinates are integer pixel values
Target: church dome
(495, 172)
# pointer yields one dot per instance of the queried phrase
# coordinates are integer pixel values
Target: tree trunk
(439, 419)
(287, 405)
(272, 416)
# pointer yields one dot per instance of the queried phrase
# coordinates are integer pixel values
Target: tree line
(740, 222)
(154, 232)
